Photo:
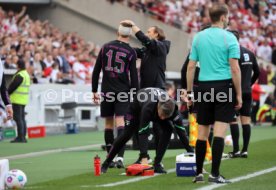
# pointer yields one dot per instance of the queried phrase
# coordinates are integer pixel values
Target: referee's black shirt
(248, 63)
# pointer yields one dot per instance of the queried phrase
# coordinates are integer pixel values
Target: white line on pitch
(234, 180)
(138, 178)
(46, 152)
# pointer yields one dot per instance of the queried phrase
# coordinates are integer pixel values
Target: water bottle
(97, 165)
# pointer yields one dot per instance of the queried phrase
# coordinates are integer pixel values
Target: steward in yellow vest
(19, 95)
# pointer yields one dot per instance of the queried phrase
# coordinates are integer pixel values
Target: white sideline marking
(234, 180)
(141, 178)
(46, 152)
(132, 180)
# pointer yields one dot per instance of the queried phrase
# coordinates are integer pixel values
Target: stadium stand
(255, 20)
(50, 55)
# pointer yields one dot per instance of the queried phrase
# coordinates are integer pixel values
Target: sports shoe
(234, 154)
(199, 179)
(219, 179)
(119, 164)
(159, 169)
(138, 161)
(244, 155)
(112, 164)
(104, 167)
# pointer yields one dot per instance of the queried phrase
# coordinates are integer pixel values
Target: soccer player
(117, 60)
(248, 64)
(150, 104)
(218, 52)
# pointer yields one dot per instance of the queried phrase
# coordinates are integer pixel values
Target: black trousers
(19, 118)
(132, 127)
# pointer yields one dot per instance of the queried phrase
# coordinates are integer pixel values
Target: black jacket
(248, 64)
(184, 74)
(153, 65)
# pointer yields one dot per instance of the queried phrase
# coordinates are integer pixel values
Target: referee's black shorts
(246, 104)
(216, 102)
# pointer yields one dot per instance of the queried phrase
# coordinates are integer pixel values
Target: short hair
(236, 33)
(167, 107)
(161, 34)
(216, 11)
(21, 64)
(168, 85)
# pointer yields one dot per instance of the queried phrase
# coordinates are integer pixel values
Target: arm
(184, 73)
(96, 73)
(236, 78)
(22, 12)
(181, 132)
(190, 75)
(146, 41)
(233, 57)
(4, 92)
(95, 78)
(133, 74)
(15, 84)
(256, 71)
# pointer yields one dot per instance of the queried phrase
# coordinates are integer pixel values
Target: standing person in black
(116, 60)
(248, 64)
(150, 104)
(153, 57)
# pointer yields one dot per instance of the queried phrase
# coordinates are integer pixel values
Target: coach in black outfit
(153, 65)
(248, 64)
(150, 104)
(153, 55)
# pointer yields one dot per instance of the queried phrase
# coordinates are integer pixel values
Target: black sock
(200, 155)
(235, 133)
(217, 150)
(120, 131)
(246, 133)
(109, 138)
(210, 139)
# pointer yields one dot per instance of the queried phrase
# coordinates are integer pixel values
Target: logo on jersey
(246, 57)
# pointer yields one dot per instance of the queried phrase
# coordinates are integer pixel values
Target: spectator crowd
(49, 54)
(254, 19)
(53, 56)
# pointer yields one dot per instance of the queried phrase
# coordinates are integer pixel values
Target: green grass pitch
(73, 170)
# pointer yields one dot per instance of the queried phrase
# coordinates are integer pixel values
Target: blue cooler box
(186, 165)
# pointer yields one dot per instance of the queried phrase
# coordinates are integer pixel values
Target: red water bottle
(97, 165)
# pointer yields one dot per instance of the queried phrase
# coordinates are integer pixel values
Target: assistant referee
(217, 51)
